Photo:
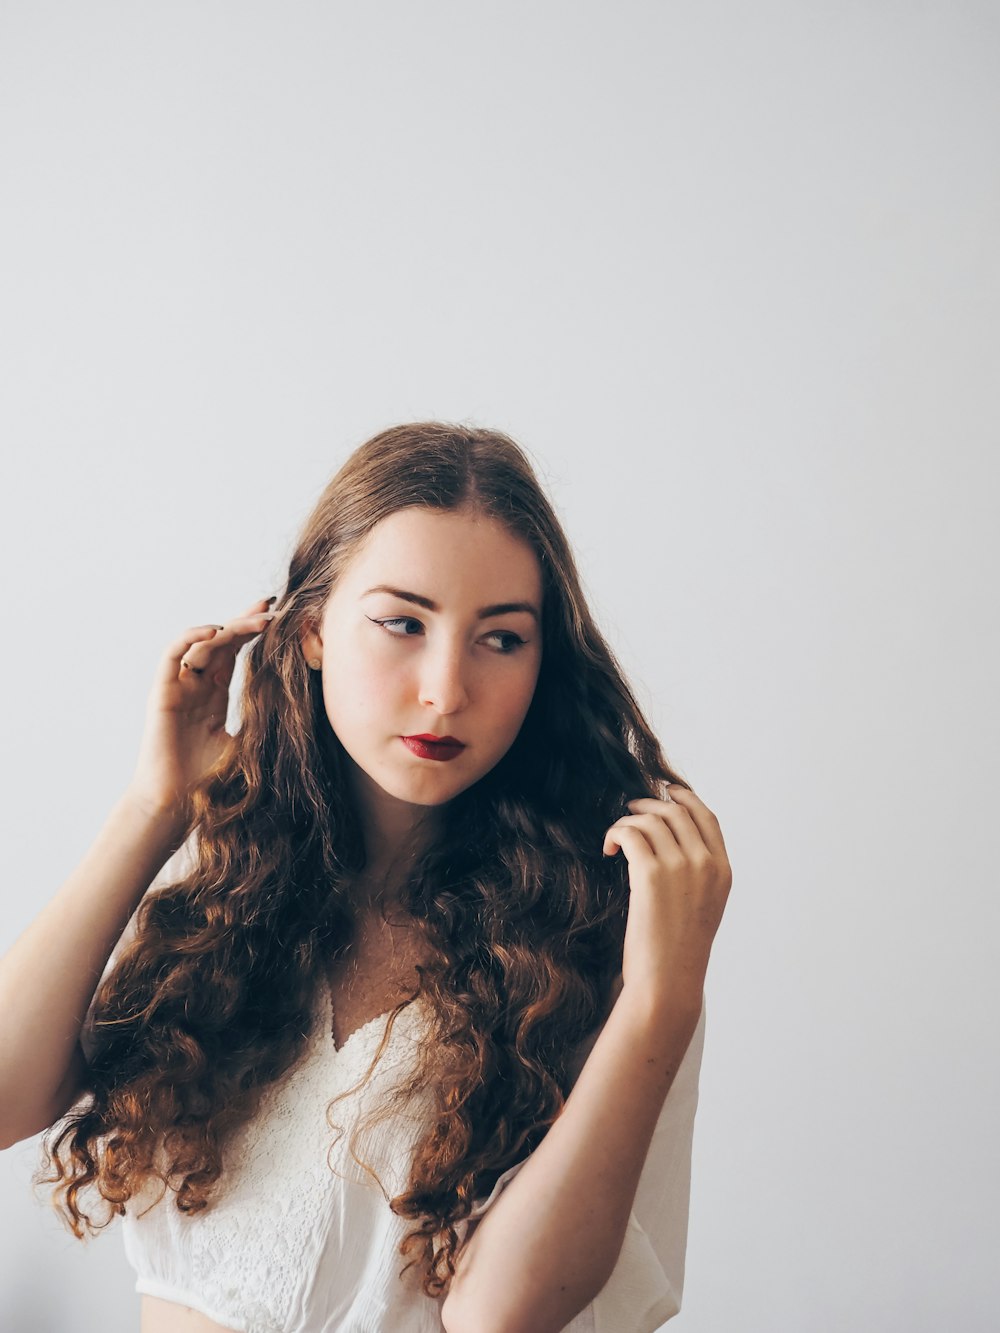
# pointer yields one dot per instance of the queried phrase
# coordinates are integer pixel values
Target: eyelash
(517, 643)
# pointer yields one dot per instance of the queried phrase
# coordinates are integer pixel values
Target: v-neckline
(364, 1027)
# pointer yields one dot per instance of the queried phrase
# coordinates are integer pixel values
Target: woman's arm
(48, 975)
(549, 1243)
(551, 1240)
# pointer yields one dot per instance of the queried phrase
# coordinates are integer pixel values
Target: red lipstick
(433, 747)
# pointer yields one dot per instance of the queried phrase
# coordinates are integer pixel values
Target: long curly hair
(213, 998)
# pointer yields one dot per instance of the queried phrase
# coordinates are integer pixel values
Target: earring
(314, 666)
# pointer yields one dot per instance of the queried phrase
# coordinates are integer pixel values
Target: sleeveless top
(300, 1239)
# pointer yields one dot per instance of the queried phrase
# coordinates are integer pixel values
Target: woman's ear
(312, 646)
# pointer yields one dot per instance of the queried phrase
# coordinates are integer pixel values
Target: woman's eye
(397, 620)
(510, 641)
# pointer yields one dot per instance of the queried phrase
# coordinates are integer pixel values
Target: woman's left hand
(679, 877)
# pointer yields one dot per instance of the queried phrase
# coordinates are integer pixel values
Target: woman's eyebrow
(498, 609)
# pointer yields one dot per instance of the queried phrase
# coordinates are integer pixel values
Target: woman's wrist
(167, 820)
(680, 998)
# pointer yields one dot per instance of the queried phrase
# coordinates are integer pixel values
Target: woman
(395, 906)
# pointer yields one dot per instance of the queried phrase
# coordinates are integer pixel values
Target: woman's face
(433, 629)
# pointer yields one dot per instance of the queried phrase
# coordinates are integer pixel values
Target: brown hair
(212, 1001)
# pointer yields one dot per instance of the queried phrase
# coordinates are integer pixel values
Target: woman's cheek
(515, 703)
(384, 683)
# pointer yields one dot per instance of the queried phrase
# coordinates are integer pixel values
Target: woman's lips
(432, 749)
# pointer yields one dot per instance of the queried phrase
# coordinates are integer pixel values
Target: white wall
(730, 273)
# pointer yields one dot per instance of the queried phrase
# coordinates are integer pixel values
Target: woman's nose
(442, 681)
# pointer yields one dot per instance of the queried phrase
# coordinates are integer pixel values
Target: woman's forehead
(453, 554)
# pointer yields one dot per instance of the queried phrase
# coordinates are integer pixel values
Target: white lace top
(291, 1246)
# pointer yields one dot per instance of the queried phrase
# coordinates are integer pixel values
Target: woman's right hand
(186, 712)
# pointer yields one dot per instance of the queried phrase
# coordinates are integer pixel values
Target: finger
(630, 840)
(233, 635)
(675, 817)
(196, 646)
(659, 835)
(170, 664)
(706, 821)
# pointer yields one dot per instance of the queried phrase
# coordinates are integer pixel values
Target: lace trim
(248, 1256)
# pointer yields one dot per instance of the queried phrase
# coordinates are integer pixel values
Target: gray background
(730, 274)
